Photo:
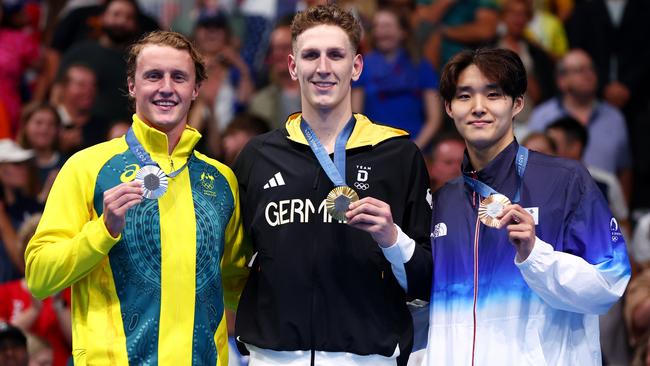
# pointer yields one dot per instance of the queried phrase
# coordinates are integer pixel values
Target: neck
(43, 156)
(480, 157)
(327, 125)
(391, 55)
(173, 134)
(77, 115)
(579, 107)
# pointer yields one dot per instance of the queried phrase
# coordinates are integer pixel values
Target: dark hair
(573, 130)
(251, 124)
(217, 21)
(27, 113)
(330, 15)
(63, 77)
(499, 65)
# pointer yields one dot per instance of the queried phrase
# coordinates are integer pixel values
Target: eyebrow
(466, 88)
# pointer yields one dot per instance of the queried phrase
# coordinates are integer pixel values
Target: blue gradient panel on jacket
(515, 325)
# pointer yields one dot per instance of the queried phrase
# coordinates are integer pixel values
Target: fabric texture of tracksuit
(156, 293)
(317, 283)
(489, 308)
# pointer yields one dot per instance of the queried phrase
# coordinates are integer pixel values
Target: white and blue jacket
(487, 308)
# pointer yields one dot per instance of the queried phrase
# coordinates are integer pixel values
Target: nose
(166, 90)
(323, 65)
(478, 108)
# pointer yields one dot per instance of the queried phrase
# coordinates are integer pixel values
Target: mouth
(165, 104)
(479, 123)
(323, 85)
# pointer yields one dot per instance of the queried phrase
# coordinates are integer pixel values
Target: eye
(336, 55)
(495, 94)
(153, 75)
(463, 96)
(179, 77)
(310, 55)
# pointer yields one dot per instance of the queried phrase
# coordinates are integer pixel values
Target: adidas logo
(275, 181)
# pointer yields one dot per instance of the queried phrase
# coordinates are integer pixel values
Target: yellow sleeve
(70, 239)
(237, 251)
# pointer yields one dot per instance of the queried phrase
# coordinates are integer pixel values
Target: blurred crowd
(63, 88)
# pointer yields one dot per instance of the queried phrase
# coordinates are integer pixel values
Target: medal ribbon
(485, 191)
(143, 156)
(335, 170)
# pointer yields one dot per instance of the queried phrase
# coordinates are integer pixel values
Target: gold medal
(338, 201)
(490, 208)
(153, 180)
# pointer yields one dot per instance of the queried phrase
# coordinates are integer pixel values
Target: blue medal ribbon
(143, 156)
(335, 170)
(485, 191)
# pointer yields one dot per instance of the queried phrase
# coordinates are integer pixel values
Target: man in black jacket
(338, 243)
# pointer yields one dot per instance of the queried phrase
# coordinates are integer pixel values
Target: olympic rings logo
(361, 186)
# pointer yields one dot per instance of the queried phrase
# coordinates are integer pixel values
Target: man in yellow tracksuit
(145, 229)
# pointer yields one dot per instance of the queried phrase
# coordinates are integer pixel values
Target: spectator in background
(40, 126)
(445, 160)
(117, 129)
(608, 146)
(570, 138)
(515, 15)
(48, 318)
(614, 33)
(546, 29)
(396, 87)
(18, 199)
(80, 24)
(540, 142)
(446, 27)
(13, 346)
(229, 85)
(238, 133)
(282, 96)
(18, 52)
(106, 57)
(40, 352)
(76, 96)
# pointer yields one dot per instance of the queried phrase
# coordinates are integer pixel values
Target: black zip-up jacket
(315, 283)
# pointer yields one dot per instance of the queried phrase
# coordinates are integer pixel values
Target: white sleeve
(568, 282)
(398, 254)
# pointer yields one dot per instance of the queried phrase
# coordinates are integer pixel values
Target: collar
(155, 142)
(365, 133)
(499, 172)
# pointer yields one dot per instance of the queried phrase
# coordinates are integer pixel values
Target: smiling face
(164, 86)
(42, 129)
(387, 32)
(324, 63)
(482, 112)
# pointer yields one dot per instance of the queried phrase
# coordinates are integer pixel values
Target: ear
(517, 105)
(448, 109)
(131, 86)
(195, 91)
(291, 64)
(357, 67)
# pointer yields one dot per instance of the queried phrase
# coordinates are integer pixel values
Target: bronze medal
(338, 201)
(490, 208)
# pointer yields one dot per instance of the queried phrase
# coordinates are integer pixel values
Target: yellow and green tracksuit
(156, 293)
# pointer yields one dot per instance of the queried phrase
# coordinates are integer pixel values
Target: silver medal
(153, 180)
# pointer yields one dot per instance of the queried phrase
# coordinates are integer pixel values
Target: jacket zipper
(476, 236)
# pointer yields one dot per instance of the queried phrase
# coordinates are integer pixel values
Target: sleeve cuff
(402, 250)
(540, 249)
(99, 237)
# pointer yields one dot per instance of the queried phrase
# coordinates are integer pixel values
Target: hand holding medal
(117, 201)
(521, 229)
(375, 217)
